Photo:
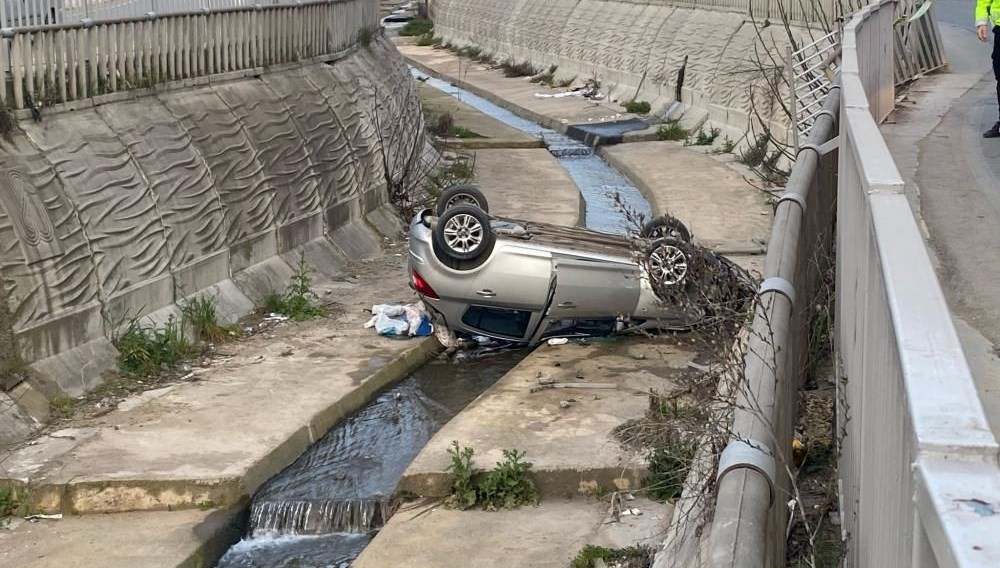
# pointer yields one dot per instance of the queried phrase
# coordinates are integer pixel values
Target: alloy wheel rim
(668, 265)
(463, 233)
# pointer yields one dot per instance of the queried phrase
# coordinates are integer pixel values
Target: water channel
(325, 508)
(597, 180)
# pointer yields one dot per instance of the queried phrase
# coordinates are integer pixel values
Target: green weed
(509, 485)
(470, 51)
(637, 107)
(728, 145)
(437, 41)
(628, 557)
(513, 69)
(146, 350)
(702, 138)
(200, 314)
(426, 40)
(672, 130)
(417, 27)
(61, 407)
(548, 78)
(8, 502)
(463, 486)
(297, 302)
(668, 467)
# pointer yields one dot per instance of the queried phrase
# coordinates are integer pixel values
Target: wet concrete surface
(571, 445)
(323, 509)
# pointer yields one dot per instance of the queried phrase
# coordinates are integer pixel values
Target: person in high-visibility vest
(988, 18)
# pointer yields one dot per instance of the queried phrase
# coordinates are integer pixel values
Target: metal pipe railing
(753, 468)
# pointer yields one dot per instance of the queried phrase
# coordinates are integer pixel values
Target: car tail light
(422, 287)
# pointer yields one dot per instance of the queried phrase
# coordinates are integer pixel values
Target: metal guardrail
(920, 482)
(61, 63)
(35, 13)
(754, 483)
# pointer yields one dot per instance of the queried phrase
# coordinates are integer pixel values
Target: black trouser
(996, 60)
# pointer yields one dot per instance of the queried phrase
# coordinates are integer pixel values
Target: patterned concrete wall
(125, 208)
(633, 47)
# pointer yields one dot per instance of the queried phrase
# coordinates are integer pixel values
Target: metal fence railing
(920, 482)
(60, 63)
(33, 13)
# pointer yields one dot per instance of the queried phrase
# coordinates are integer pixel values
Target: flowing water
(323, 509)
(598, 181)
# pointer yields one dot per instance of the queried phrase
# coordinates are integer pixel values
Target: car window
(498, 321)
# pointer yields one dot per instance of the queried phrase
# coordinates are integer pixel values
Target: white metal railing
(812, 71)
(33, 13)
(53, 64)
(920, 482)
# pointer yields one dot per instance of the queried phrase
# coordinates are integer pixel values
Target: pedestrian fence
(59, 63)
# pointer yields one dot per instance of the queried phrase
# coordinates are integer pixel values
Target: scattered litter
(276, 317)
(187, 376)
(631, 511)
(563, 404)
(56, 517)
(398, 320)
(579, 374)
(629, 497)
(558, 341)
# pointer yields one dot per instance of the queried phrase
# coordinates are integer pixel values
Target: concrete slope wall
(634, 47)
(123, 209)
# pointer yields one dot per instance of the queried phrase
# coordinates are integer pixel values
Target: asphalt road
(953, 178)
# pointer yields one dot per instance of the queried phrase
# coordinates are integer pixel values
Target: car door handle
(486, 293)
(566, 305)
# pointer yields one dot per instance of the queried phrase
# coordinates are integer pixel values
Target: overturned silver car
(525, 282)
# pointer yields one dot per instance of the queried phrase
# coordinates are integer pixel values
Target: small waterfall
(324, 509)
(318, 517)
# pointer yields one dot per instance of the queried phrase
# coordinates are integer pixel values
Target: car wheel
(461, 194)
(665, 227)
(463, 233)
(668, 262)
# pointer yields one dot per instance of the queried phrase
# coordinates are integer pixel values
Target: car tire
(463, 233)
(461, 194)
(665, 227)
(668, 262)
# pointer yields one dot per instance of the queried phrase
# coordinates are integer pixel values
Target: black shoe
(993, 132)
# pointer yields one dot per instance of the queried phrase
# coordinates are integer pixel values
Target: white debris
(558, 341)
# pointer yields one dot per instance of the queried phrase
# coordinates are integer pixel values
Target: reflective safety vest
(988, 12)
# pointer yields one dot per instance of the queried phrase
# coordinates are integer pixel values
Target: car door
(517, 277)
(593, 288)
(508, 299)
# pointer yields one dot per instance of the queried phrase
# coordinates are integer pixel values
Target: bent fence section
(920, 483)
(61, 63)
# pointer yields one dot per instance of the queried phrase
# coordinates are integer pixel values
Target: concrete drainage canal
(598, 182)
(326, 507)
